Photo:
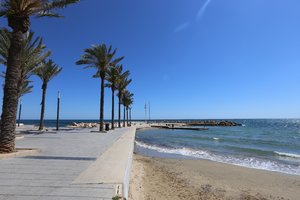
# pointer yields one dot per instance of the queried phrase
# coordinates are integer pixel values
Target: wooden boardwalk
(53, 173)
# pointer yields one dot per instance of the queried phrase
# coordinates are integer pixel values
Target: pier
(178, 128)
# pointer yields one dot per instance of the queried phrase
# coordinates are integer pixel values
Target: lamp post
(149, 112)
(20, 110)
(146, 113)
(57, 116)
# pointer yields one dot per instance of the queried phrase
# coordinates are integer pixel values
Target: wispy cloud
(182, 27)
(199, 15)
(202, 10)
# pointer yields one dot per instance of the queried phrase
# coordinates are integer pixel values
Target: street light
(20, 110)
(57, 116)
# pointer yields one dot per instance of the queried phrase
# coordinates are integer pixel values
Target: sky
(194, 59)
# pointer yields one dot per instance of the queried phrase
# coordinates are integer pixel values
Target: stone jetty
(83, 125)
(213, 123)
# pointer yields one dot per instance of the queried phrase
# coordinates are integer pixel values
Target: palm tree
(129, 108)
(101, 58)
(127, 100)
(114, 74)
(46, 72)
(121, 87)
(112, 77)
(124, 111)
(18, 13)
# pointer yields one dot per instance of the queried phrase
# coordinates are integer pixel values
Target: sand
(166, 179)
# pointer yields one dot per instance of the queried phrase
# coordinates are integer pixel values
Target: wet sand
(178, 179)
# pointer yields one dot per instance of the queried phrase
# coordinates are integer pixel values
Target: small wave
(180, 151)
(250, 162)
(287, 154)
(243, 124)
(215, 138)
(253, 151)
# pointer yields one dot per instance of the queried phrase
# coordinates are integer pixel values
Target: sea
(266, 144)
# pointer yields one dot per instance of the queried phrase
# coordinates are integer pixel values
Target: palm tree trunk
(130, 115)
(10, 96)
(124, 117)
(102, 103)
(119, 115)
(112, 108)
(127, 116)
(44, 88)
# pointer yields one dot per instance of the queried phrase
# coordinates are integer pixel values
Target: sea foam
(250, 162)
(287, 154)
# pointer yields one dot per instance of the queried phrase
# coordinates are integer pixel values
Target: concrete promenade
(71, 164)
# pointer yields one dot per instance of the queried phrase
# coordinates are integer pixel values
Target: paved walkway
(49, 175)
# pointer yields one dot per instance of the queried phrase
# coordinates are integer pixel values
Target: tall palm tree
(46, 72)
(121, 87)
(101, 58)
(18, 13)
(127, 100)
(124, 110)
(129, 108)
(114, 74)
(112, 77)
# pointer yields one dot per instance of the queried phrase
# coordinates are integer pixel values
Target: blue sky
(190, 59)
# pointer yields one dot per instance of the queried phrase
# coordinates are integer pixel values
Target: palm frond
(99, 57)
(38, 8)
(47, 71)
(122, 85)
(32, 55)
(127, 98)
(49, 14)
(25, 88)
(58, 4)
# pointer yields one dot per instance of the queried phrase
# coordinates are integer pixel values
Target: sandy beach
(166, 179)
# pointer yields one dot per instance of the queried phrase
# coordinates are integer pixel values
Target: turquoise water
(269, 144)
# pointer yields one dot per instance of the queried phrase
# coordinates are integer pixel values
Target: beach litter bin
(107, 126)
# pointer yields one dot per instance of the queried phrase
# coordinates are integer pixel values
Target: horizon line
(174, 119)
